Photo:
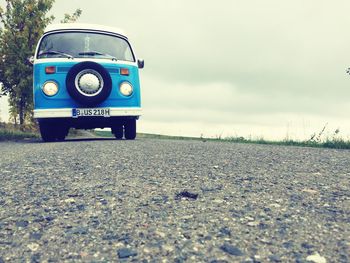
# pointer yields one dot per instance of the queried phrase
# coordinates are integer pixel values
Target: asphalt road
(172, 201)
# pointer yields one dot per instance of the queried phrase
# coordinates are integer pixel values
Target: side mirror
(141, 63)
(30, 60)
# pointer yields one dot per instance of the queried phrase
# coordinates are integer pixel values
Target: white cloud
(222, 109)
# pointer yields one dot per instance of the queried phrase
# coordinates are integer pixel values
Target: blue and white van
(86, 77)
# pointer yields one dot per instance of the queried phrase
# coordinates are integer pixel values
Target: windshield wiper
(94, 53)
(54, 52)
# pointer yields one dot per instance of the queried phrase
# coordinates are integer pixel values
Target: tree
(71, 18)
(23, 22)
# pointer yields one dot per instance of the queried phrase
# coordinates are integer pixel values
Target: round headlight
(50, 88)
(126, 89)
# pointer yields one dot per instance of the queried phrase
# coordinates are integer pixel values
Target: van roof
(79, 26)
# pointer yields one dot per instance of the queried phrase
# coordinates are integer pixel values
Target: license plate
(101, 112)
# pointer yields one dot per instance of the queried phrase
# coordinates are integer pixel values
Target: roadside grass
(106, 134)
(75, 133)
(9, 132)
(330, 142)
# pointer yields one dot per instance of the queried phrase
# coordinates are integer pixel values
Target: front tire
(130, 129)
(118, 132)
(52, 130)
(61, 133)
(47, 131)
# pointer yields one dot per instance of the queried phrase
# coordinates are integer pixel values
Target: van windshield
(85, 44)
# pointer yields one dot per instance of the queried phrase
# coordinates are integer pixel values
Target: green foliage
(333, 143)
(71, 18)
(106, 134)
(6, 135)
(9, 132)
(23, 23)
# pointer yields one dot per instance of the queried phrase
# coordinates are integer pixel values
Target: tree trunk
(21, 114)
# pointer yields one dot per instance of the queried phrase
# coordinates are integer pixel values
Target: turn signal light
(124, 71)
(50, 70)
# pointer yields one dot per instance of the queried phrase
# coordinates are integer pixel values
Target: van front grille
(66, 69)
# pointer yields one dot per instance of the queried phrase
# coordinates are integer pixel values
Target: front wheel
(61, 133)
(130, 129)
(52, 130)
(118, 132)
(47, 131)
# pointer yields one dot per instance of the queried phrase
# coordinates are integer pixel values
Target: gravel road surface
(154, 200)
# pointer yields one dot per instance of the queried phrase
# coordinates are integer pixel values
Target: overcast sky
(235, 68)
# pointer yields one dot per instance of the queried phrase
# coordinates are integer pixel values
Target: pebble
(33, 246)
(126, 253)
(232, 250)
(22, 223)
(275, 205)
(275, 258)
(257, 257)
(306, 245)
(81, 207)
(160, 234)
(316, 258)
(168, 248)
(79, 231)
(310, 191)
(35, 258)
(187, 195)
(35, 236)
(69, 200)
(254, 223)
(225, 231)
(186, 217)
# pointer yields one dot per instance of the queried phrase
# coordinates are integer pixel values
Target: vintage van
(86, 76)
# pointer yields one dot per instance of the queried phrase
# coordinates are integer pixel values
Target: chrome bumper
(67, 112)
